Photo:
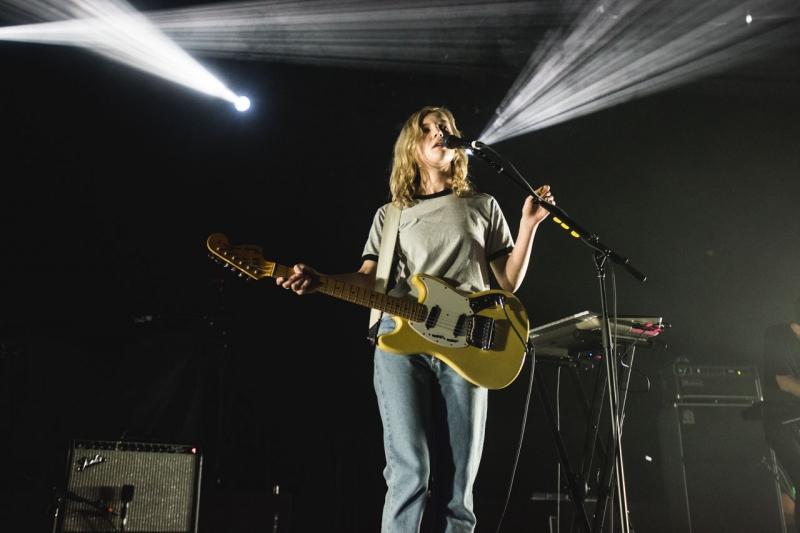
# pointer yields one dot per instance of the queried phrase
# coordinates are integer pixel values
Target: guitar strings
(458, 326)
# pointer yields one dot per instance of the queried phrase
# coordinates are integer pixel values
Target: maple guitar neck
(249, 260)
(361, 296)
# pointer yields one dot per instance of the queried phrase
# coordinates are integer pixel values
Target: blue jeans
(433, 433)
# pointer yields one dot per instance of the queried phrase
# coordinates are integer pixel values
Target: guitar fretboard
(407, 309)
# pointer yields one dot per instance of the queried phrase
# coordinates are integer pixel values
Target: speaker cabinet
(719, 472)
(135, 487)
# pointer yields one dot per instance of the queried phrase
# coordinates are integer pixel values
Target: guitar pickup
(433, 317)
(480, 332)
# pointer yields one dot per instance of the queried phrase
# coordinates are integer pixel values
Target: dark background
(116, 324)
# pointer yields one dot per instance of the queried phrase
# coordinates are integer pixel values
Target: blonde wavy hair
(405, 178)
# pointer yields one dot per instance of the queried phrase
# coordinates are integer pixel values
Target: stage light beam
(112, 28)
(388, 34)
(632, 48)
(599, 54)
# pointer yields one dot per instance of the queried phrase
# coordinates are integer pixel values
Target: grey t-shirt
(443, 235)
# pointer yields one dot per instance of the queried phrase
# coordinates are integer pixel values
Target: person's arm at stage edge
(789, 384)
(775, 359)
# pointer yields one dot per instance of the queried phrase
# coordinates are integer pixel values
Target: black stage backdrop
(116, 324)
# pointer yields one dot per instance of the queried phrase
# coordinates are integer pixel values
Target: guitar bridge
(479, 303)
(480, 331)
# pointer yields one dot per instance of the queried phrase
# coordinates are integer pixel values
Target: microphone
(127, 497)
(451, 141)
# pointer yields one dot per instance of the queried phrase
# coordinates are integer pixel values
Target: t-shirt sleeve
(499, 242)
(372, 247)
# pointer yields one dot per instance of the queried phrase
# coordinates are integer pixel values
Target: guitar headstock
(247, 259)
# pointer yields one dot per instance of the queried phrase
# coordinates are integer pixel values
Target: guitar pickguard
(450, 319)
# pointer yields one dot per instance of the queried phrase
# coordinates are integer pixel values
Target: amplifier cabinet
(720, 474)
(135, 487)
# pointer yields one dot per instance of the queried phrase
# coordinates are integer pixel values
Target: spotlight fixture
(242, 103)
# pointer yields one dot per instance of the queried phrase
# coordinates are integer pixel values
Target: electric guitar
(482, 336)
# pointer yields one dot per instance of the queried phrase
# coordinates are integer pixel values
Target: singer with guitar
(433, 417)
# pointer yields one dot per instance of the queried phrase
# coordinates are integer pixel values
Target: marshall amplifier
(707, 383)
(127, 486)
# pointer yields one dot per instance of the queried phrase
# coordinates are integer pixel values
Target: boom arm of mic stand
(559, 216)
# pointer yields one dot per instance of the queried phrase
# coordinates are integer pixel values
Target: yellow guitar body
(494, 367)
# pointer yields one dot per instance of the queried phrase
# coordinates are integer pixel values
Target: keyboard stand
(564, 343)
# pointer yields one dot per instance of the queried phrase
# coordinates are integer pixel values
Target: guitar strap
(391, 224)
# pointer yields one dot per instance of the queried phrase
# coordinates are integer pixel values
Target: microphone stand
(100, 506)
(613, 479)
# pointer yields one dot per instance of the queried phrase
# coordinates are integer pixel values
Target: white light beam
(115, 30)
(623, 49)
